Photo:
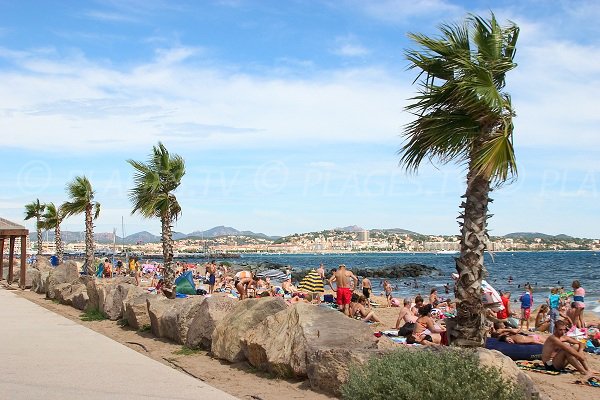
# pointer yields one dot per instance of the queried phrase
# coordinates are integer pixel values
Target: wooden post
(11, 260)
(1, 258)
(23, 257)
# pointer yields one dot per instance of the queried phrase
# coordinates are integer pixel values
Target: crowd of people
(419, 321)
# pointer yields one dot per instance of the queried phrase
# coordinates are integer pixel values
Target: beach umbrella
(312, 283)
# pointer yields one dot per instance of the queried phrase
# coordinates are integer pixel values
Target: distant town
(349, 239)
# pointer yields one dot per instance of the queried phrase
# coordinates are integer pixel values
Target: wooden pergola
(10, 230)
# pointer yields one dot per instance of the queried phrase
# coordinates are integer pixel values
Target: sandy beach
(242, 380)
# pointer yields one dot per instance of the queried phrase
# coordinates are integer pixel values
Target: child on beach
(526, 303)
(579, 300)
(554, 304)
(387, 288)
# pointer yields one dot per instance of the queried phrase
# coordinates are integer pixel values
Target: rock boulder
(227, 339)
(282, 342)
(174, 322)
(136, 311)
(210, 312)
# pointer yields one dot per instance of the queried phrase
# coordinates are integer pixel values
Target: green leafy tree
(52, 219)
(81, 196)
(463, 115)
(152, 197)
(35, 210)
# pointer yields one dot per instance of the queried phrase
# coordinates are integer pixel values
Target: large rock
(29, 274)
(210, 312)
(64, 273)
(328, 369)
(281, 343)
(227, 339)
(39, 280)
(96, 289)
(42, 263)
(72, 294)
(510, 371)
(175, 321)
(136, 311)
(112, 299)
(157, 306)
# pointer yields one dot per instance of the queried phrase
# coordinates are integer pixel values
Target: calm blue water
(542, 269)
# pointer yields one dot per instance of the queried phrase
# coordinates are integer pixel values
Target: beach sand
(245, 382)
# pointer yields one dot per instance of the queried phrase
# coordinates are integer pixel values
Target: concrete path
(46, 356)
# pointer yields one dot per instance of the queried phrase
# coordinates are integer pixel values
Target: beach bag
(328, 298)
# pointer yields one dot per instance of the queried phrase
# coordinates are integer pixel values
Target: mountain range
(217, 231)
(147, 237)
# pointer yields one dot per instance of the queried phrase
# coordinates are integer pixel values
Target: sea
(542, 269)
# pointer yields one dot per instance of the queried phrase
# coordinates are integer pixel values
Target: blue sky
(288, 113)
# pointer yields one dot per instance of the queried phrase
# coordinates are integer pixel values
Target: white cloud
(71, 102)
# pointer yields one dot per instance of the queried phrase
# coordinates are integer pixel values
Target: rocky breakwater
(410, 270)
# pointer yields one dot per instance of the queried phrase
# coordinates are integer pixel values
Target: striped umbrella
(312, 283)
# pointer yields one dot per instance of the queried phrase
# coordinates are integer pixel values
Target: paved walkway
(46, 356)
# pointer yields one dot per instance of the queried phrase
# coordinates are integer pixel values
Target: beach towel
(535, 367)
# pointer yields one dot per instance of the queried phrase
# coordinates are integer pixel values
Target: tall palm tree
(81, 197)
(52, 219)
(35, 210)
(463, 115)
(152, 196)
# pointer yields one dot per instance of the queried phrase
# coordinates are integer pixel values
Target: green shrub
(92, 315)
(145, 328)
(449, 374)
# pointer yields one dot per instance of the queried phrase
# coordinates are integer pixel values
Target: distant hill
(398, 231)
(147, 237)
(351, 228)
(533, 235)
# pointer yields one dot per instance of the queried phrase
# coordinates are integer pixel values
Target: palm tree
(81, 197)
(152, 196)
(52, 219)
(462, 115)
(35, 210)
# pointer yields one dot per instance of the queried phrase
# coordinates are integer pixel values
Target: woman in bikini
(424, 328)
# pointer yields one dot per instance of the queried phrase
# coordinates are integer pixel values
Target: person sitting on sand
(359, 311)
(424, 328)
(418, 304)
(433, 298)
(159, 286)
(558, 352)
(342, 278)
(542, 319)
(241, 281)
(408, 317)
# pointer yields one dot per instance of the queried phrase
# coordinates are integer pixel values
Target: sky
(289, 114)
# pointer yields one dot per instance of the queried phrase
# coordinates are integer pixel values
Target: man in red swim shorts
(342, 279)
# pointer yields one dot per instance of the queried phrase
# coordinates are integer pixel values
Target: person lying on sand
(558, 352)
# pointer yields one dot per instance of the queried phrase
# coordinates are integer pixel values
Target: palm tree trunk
(89, 241)
(167, 244)
(39, 236)
(467, 329)
(58, 243)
